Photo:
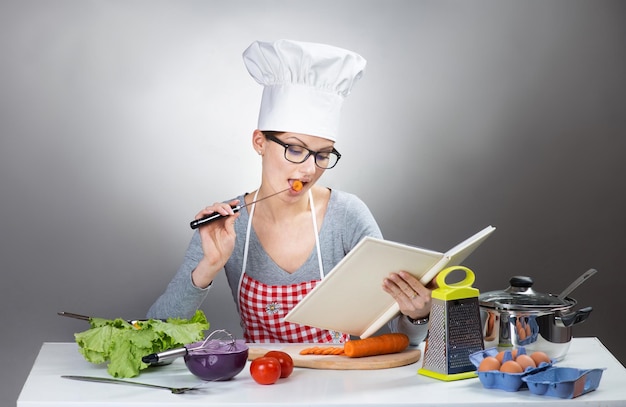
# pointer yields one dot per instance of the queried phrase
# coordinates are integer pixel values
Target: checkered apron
(263, 307)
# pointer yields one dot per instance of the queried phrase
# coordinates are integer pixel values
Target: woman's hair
(272, 133)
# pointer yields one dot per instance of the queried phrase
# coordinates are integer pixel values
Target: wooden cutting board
(334, 362)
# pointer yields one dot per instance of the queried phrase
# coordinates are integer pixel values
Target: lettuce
(122, 344)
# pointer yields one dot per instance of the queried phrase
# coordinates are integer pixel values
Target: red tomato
(286, 362)
(265, 370)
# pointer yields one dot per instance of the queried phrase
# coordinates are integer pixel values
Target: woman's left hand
(411, 295)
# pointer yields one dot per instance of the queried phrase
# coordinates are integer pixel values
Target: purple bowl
(217, 360)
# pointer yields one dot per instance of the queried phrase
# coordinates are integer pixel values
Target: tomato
(286, 362)
(265, 370)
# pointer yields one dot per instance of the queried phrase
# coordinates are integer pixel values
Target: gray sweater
(346, 222)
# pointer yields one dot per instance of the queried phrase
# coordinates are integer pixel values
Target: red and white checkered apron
(263, 307)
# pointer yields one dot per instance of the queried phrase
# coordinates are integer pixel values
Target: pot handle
(576, 317)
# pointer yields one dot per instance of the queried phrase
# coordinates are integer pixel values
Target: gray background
(120, 119)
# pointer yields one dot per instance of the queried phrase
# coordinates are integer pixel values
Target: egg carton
(564, 382)
(495, 379)
(544, 380)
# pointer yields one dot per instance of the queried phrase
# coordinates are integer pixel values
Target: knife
(175, 390)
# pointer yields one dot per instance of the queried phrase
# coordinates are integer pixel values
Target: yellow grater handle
(454, 291)
(466, 282)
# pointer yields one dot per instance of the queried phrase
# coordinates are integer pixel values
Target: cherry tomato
(265, 370)
(286, 362)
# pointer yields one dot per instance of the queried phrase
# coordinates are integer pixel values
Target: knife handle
(76, 316)
(195, 224)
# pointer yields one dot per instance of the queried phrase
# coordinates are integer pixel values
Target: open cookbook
(350, 299)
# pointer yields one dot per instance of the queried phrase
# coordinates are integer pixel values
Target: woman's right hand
(218, 241)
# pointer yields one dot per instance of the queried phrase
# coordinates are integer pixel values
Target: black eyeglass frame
(310, 152)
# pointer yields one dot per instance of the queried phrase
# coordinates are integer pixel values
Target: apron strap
(317, 237)
(245, 248)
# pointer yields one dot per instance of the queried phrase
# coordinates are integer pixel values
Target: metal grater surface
(435, 352)
(463, 336)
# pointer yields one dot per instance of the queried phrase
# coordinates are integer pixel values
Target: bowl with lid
(520, 316)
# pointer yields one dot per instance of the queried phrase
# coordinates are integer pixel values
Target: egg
(540, 357)
(525, 362)
(489, 363)
(500, 355)
(511, 366)
(521, 331)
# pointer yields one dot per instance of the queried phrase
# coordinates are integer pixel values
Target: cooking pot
(520, 316)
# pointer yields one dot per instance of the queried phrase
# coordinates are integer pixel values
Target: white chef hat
(304, 83)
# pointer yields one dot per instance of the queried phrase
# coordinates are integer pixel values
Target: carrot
(378, 345)
(297, 185)
(323, 350)
(309, 351)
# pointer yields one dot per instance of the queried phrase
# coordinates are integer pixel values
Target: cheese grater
(454, 329)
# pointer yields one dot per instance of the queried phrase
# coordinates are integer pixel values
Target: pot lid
(520, 296)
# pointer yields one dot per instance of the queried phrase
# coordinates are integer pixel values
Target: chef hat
(305, 85)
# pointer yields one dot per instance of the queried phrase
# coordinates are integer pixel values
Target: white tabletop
(305, 387)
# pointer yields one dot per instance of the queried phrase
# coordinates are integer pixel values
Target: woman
(276, 250)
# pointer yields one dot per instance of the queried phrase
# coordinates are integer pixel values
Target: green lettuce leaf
(123, 345)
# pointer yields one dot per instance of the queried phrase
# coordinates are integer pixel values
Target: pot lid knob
(521, 281)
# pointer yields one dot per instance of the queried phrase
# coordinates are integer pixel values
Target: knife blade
(195, 224)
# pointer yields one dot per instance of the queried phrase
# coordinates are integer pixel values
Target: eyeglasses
(298, 154)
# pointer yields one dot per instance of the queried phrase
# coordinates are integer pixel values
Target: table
(44, 386)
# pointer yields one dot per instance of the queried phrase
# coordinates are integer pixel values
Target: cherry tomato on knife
(265, 370)
(286, 362)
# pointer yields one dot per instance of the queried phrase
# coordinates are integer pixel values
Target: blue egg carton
(564, 382)
(495, 379)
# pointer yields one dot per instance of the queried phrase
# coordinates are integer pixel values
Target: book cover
(350, 299)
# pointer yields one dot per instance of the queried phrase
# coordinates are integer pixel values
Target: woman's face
(278, 172)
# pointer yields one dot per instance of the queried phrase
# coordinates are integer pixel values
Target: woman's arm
(416, 333)
(182, 298)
